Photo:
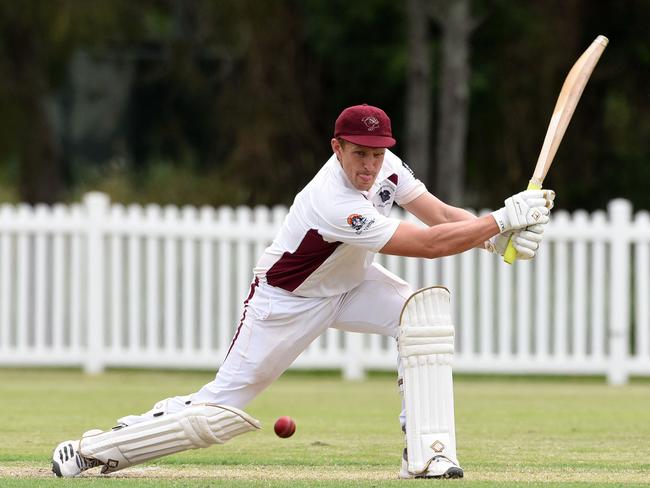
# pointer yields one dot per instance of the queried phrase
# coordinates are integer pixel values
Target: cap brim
(370, 141)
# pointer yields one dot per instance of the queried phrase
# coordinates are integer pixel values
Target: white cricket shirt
(332, 231)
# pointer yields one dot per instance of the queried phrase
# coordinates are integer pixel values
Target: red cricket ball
(284, 427)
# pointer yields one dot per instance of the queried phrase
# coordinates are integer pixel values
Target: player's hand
(530, 207)
(526, 241)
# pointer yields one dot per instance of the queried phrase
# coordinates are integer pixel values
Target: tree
(418, 94)
(24, 51)
(456, 23)
(37, 41)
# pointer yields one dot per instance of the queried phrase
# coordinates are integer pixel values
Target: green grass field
(511, 431)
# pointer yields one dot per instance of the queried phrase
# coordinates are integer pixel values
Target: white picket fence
(99, 285)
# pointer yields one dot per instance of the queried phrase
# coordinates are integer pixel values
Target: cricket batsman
(319, 273)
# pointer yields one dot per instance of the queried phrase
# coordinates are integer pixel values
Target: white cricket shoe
(440, 467)
(67, 462)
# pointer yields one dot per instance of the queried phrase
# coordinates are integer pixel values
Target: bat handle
(511, 253)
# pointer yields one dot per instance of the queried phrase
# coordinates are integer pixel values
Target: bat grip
(510, 255)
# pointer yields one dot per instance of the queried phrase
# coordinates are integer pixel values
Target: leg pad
(193, 427)
(426, 346)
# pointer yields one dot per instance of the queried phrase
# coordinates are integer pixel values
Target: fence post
(620, 214)
(353, 368)
(97, 205)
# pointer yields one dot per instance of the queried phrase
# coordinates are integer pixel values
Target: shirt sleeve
(408, 186)
(358, 223)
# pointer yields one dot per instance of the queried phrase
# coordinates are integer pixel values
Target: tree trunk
(418, 97)
(41, 168)
(456, 24)
(41, 173)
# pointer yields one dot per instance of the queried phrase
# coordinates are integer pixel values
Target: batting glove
(524, 209)
(526, 242)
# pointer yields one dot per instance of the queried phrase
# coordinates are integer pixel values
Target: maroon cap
(364, 125)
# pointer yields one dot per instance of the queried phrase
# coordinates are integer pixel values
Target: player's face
(360, 163)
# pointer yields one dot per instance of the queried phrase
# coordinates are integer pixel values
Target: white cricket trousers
(276, 326)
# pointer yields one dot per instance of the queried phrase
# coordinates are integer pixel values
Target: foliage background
(233, 101)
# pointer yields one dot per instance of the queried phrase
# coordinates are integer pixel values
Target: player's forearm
(433, 211)
(459, 236)
(457, 214)
(440, 240)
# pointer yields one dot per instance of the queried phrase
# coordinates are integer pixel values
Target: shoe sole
(453, 473)
(450, 474)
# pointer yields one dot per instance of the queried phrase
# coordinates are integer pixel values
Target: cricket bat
(574, 85)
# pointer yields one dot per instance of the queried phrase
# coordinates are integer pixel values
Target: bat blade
(572, 88)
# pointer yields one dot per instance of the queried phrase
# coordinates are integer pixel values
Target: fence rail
(99, 284)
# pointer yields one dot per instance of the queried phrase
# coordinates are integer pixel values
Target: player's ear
(336, 147)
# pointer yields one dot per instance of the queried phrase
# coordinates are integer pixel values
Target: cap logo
(370, 122)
